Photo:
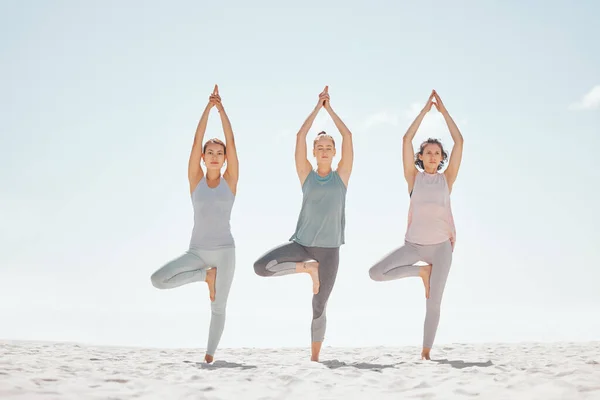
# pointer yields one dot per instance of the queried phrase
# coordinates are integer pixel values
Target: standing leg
(225, 268)
(188, 268)
(441, 260)
(328, 259)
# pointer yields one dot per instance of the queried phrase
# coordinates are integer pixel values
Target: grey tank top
(212, 213)
(322, 218)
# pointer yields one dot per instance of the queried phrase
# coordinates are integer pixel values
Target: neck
(323, 169)
(213, 174)
(431, 170)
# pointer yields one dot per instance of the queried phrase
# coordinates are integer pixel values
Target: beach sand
(39, 370)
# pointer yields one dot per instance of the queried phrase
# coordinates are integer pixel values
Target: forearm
(201, 128)
(453, 128)
(303, 132)
(227, 129)
(229, 138)
(342, 128)
(414, 127)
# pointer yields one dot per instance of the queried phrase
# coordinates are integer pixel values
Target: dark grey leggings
(282, 261)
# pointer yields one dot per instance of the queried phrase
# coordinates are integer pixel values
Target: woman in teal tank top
(314, 246)
(211, 254)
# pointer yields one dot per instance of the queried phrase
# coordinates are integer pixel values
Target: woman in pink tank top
(430, 234)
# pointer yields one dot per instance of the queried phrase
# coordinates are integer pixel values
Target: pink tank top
(430, 218)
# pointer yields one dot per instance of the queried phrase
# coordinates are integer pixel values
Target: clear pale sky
(98, 106)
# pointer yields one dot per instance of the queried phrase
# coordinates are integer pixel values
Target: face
(432, 156)
(324, 151)
(214, 157)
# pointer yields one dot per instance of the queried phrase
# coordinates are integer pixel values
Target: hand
(215, 99)
(429, 103)
(438, 103)
(324, 98)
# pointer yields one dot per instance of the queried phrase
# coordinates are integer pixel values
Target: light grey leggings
(282, 261)
(400, 264)
(191, 267)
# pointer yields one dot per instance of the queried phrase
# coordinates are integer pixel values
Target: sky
(99, 102)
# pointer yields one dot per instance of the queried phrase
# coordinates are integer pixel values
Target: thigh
(288, 252)
(185, 263)
(441, 261)
(225, 265)
(405, 255)
(329, 260)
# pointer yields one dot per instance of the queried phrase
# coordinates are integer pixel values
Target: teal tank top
(322, 218)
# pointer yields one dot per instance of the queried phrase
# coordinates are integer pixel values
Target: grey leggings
(282, 261)
(191, 267)
(400, 264)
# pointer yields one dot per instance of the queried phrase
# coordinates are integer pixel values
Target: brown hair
(215, 141)
(429, 141)
(323, 134)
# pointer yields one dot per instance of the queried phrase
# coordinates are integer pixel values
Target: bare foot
(315, 350)
(425, 274)
(311, 268)
(211, 277)
(425, 354)
(208, 358)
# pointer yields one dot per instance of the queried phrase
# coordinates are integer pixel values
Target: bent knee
(260, 268)
(157, 282)
(375, 274)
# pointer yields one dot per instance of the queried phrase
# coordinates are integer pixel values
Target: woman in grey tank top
(430, 234)
(211, 254)
(314, 246)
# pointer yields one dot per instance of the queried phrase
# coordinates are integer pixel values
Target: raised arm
(232, 172)
(345, 165)
(456, 155)
(195, 172)
(303, 166)
(408, 152)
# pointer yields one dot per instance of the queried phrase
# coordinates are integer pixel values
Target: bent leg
(183, 270)
(328, 259)
(225, 271)
(397, 264)
(281, 260)
(441, 260)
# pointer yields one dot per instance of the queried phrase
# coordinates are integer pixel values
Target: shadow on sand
(333, 364)
(219, 364)
(463, 364)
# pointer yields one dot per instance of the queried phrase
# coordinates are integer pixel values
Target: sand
(37, 370)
